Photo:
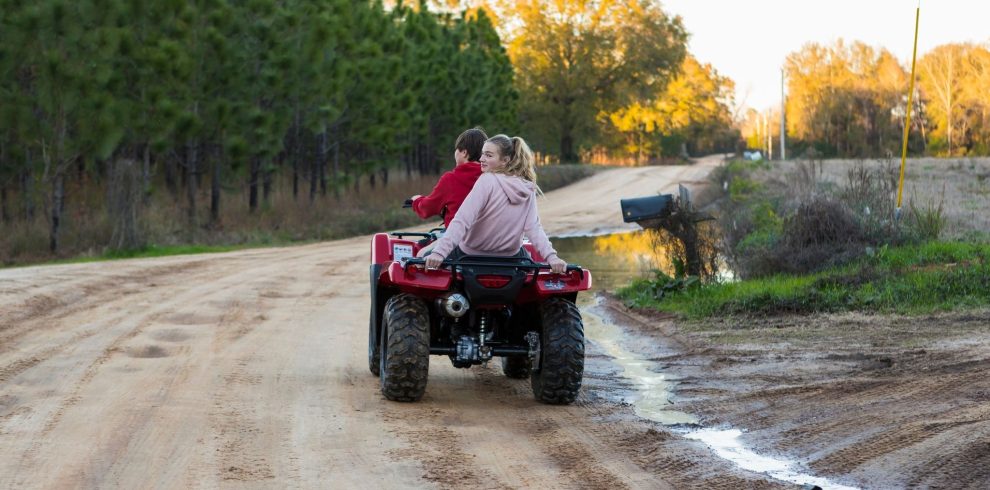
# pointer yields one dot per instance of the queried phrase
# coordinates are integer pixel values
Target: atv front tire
(557, 379)
(405, 354)
(516, 367)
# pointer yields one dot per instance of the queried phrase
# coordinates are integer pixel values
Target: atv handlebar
(407, 204)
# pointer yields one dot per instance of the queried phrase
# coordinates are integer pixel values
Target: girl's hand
(417, 196)
(557, 265)
(433, 261)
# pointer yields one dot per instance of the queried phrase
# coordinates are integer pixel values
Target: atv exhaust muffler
(455, 305)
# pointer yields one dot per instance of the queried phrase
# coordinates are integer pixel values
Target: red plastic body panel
(381, 249)
(432, 284)
(383, 246)
(416, 277)
(548, 284)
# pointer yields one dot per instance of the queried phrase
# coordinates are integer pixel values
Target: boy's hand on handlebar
(433, 261)
(557, 265)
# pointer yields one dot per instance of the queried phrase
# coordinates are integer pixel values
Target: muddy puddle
(615, 260)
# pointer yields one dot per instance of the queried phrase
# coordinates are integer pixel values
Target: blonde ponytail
(521, 163)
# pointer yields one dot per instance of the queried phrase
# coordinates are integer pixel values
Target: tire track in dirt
(149, 317)
(47, 323)
(866, 411)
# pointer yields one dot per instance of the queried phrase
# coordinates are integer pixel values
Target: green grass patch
(164, 251)
(149, 252)
(916, 279)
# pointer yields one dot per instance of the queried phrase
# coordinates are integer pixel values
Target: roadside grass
(910, 279)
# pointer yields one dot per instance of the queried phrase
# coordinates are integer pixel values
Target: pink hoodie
(498, 211)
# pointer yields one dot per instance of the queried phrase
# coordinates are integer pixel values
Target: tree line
(236, 96)
(613, 78)
(850, 100)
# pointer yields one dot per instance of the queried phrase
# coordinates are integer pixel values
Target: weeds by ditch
(909, 279)
(803, 243)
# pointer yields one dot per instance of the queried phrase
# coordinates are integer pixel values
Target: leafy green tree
(694, 110)
(577, 59)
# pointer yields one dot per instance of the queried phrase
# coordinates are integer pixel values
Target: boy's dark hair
(471, 141)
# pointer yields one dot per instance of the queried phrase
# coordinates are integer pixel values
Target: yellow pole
(907, 117)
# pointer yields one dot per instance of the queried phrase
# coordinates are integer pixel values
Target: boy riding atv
(454, 185)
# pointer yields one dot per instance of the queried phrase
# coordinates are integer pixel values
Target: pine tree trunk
(567, 154)
(336, 161)
(296, 152)
(191, 169)
(253, 184)
(215, 193)
(27, 189)
(295, 178)
(266, 185)
(126, 189)
(146, 175)
(58, 203)
(324, 149)
(171, 182)
(314, 172)
(4, 212)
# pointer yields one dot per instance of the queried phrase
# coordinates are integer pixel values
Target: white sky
(748, 40)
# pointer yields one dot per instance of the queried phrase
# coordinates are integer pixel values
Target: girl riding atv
(499, 210)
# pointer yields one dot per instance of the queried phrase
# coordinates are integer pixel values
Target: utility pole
(783, 128)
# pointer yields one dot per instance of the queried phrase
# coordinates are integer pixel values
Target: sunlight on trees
(577, 59)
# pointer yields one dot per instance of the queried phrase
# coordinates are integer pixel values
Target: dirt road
(248, 369)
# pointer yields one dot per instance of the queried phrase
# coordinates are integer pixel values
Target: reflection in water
(614, 260)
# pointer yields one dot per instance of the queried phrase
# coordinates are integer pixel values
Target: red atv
(473, 309)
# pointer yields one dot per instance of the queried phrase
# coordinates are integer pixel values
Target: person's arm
(432, 204)
(467, 214)
(534, 231)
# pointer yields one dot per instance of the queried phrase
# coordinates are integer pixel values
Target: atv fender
(381, 252)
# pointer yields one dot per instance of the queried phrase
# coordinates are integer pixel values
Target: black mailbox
(646, 208)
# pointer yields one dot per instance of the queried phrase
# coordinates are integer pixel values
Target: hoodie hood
(516, 189)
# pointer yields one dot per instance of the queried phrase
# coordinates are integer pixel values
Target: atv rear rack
(519, 263)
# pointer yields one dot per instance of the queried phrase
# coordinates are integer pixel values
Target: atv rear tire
(558, 377)
(516, 367)
(405, 354)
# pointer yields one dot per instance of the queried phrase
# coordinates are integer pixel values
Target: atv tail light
(493, 281)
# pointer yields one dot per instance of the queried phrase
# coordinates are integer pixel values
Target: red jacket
(450, 191)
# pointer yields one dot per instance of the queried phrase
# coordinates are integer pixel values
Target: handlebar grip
(407, 204)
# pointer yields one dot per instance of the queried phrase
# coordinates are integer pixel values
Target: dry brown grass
(961, 185)
(87, 228)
